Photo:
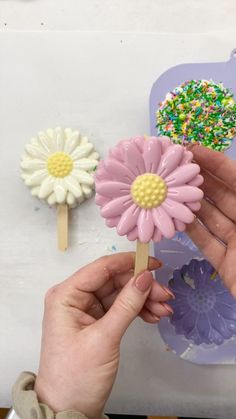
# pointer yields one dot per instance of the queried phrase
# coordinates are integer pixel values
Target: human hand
(85, 318)
(217, 213)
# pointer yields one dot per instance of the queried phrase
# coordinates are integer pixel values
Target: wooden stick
(62, 227)
(141, 258)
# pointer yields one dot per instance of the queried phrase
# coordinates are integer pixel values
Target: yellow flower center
(148, 190)
(59, 164)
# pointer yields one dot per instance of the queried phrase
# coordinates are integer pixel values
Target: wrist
(58, 401)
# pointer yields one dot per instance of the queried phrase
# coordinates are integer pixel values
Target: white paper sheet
(99, 83)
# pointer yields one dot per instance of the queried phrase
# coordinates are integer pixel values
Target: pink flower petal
(157, 236)
(133, 235)
(187, 157)
(179, 225)
(197, 181)
(128, 220)
(116, 206)
(145, 225)
(165, 142)
(163, 222)
(177, 210)
(119, 171)
(152, 155)
(139, 141)
(133, 158)
(170, 160)
(194, 206)
(101, 200)
(185, 193)
(183, 174)
(101, 173)
(112, 222)
(116, 153)
(112, 189)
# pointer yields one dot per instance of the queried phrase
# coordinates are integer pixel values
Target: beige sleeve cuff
(26, 405)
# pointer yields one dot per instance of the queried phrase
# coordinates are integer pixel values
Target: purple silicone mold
(219, 345)
(204, 310)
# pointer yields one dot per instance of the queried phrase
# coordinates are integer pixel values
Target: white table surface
(96, 74)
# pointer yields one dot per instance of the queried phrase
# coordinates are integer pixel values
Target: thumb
(127, 305)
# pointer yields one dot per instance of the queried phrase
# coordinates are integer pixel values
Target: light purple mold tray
(203, 328)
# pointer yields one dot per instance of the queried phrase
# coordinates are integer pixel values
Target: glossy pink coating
(138, 156)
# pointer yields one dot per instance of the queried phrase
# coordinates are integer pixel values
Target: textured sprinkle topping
(199, 111)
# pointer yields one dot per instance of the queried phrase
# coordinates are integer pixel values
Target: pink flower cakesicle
(148, 188)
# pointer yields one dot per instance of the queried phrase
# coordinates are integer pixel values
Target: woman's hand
(84, 321)
(217, 213)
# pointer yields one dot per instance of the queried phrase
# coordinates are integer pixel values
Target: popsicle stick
(62, 227)
(141, 258)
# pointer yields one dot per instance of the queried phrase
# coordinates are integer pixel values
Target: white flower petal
(70, 199)
(36, 151)
(60, 190)
(82, 151)
(46, 187)
(34, 141)
(35, 191)
(86, 164)
(25, 156)
(50, 133)
(73, 186)
(68, 132)
(25, 176)
(84, 140)
(35, 164)
(36, 177)
(83, 177)
(59, 139)
(71, 142)
(46, 142)
(94, 156)
(52, 199)
(87, 190)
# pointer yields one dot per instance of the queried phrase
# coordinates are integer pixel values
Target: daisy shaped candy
(58, 166)
(148, 188)
(204, 310)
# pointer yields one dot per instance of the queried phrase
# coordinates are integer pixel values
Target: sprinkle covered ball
(198, 111)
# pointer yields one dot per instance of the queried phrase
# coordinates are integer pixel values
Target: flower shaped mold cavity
(204, 310)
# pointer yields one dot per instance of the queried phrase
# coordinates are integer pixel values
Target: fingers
(222, 196)
(96, 274)
(207, 243)
(218, 224)
(216, 163)
(158, 309)
(127, 305)
(228, 267)
(158, 291)
(148, 317)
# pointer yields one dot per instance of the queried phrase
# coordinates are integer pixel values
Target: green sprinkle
(199, 111)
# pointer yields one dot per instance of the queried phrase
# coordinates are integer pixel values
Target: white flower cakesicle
(58, 166)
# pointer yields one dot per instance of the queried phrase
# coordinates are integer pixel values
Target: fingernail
(156, 318)
(168, 308)
(168, 291)
(158, 263)
(143, 282)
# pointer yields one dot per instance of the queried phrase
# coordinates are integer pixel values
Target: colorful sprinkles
(199, 111)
